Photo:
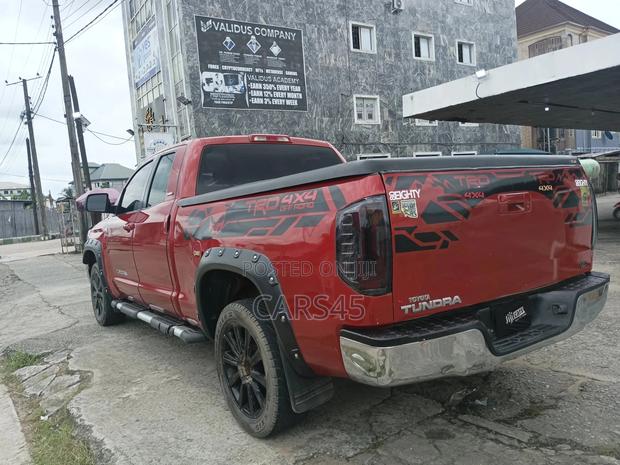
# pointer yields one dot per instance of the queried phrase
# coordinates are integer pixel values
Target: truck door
(150, 241)
(120, 233)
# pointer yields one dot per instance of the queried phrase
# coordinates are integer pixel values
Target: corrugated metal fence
(16, 219)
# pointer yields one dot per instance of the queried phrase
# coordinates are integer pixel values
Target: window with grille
(367, 109)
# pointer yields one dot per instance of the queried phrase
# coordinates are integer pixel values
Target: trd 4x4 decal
(271, 215)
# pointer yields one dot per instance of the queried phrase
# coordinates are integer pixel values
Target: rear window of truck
(229, 165)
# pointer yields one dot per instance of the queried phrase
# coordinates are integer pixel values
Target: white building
(13, 190)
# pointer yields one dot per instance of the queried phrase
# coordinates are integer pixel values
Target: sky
(97, 61)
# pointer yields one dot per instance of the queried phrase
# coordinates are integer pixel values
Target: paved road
(153, 400)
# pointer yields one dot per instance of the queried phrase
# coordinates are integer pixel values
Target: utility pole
(33, 191)
(75, 157)
(80, 135)
(38, 193)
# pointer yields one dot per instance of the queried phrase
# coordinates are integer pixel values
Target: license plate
(511, 318)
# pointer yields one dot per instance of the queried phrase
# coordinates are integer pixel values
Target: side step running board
(162, 323)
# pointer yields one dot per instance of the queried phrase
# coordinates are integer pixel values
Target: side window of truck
(133, 196)
(159, 186)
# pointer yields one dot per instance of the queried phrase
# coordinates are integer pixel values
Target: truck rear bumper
(467, 342)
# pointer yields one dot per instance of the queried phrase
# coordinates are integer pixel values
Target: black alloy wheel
(101, 300)
(244, 371)
(250, 370)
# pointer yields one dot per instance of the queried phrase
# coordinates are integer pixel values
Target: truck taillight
(364, 246)
(594, 215)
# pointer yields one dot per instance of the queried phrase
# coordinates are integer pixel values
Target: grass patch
(16, 360)
(52, 441)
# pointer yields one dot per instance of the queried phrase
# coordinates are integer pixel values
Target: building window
(423, 47)
(550, 44)
(597, 134)
(472, 152)
(363, 38)
(367, 109)
(427, 154)
(466, 53)
(469, 125)
(465, 2)
(425, 122)
(373, 156)
(140, 11)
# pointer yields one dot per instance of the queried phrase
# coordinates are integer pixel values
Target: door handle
(167, 224)
(520, 202)
(129, 227)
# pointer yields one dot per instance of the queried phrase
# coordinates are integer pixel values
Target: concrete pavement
(153, 400)
(13, 447)
(24, 250)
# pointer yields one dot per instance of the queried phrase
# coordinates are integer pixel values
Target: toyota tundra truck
(301, 267)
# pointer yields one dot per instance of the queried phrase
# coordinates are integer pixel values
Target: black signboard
(250, 66)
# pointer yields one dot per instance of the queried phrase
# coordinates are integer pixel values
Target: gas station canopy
(572, 88)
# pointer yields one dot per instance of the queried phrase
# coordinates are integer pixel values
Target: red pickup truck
(302, 267)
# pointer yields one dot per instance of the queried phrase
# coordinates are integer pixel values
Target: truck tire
(250, 371)
(617, 214)
(101, 300)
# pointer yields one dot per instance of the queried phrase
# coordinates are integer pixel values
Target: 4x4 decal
(271, 215)
(462, 192)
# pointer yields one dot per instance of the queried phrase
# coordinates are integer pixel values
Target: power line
(66, 6)
(43, 64)
(84, 3)
(36, 36)
(124, 141)
(43, 88)
(19, 128)
(102, 13)
(27, 43)
(83, 14)
(23, 176)
(90, 130)
(8, 69)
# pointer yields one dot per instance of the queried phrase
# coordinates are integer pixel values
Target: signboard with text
(250, 66)
(145, 55)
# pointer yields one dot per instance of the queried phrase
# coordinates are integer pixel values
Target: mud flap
(306, 393)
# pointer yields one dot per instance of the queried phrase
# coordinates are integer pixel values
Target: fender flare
(94, 246)
(306, 390)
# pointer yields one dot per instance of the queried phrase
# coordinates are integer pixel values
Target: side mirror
(99, 203)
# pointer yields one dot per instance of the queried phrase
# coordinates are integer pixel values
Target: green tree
(23, 195)
(67, 192)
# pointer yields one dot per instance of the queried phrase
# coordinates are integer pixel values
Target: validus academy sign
(250, 66)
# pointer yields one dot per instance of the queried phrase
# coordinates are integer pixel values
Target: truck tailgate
(462, 238)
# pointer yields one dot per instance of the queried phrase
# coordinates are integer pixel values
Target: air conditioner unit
(397, 6)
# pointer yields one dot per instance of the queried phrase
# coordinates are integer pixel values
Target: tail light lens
(364, 246)
(594, 215)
